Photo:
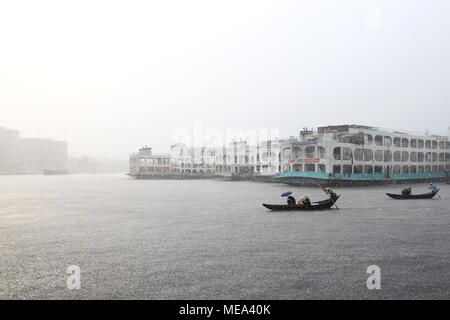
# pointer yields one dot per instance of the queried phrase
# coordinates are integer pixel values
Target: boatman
(433, 187)
(331, 193)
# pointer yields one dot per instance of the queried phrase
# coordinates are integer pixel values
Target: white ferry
(356, 154)
(331, 155)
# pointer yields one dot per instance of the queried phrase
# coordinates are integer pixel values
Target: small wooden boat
(428, 195)
(319, 205)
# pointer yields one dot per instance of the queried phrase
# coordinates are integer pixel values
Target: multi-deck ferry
(355, 154)
(331, 155)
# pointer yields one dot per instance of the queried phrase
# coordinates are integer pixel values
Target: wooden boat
(428, 195)
(319, 205)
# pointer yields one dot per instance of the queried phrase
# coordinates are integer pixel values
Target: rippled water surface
(205, 239)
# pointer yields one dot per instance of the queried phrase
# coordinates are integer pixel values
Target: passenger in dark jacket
(291, 201)
(406, 191)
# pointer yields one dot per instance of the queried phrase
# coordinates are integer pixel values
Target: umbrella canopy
(286, 194)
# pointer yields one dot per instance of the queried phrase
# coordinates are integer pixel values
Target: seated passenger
(291, 201)
(406, 191)
(305, 201)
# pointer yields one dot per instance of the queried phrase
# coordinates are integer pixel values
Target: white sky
(110, 76)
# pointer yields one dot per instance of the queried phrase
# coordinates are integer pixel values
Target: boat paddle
(334, 203)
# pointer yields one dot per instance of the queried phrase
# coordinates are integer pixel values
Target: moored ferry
(331, 155)
(357, 155)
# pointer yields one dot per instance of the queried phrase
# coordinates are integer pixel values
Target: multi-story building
(37, 156)
(9, 147)
(145, 164)
(31, 156)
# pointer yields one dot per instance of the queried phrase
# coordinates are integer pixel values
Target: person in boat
(406, 191)
(305, 201)
(433, 187)
(331, 193)
(291, 201)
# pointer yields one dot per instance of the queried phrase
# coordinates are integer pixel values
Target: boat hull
(429, 195)
(320, 205)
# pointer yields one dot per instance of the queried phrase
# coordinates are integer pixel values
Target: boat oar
(332, 201)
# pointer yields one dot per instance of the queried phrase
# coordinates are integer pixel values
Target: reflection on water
(213, 239)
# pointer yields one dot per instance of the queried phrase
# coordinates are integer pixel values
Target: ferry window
(420, 143)
(447, 145)
(310, 152)
(414, 156)
(447, 157)
(397, 142)
(368, 169)
(405, 169)
(358, 169)
(396, 169)
(358, 154)
(405, 156)
(321, 168)
(297, 167)
(427, 169)
(387, 156)
(435, 156)
(379, 140)
(347, 169)
(441, 145)
(310, 167)
(336, 168)
(420, 156)
(378, 169)
(441, 157)
(428, 157)
(337, 153)
(428, 144)
(368, 155)
(413, 143)
(441, 168)
(286, 154)
(297, 152)
(320, 152)
(434, 144)
(368, 139)
(435, 168)
(405, 143)
(413, 169)
(420, 169)
(397, 156)
(387, 141)
(379, 155)
(347, 154)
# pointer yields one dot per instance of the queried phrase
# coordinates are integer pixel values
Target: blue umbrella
(286, 194)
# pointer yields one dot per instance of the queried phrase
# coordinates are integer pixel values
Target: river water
(207, 239)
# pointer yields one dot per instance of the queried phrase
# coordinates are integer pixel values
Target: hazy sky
(110, 76)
